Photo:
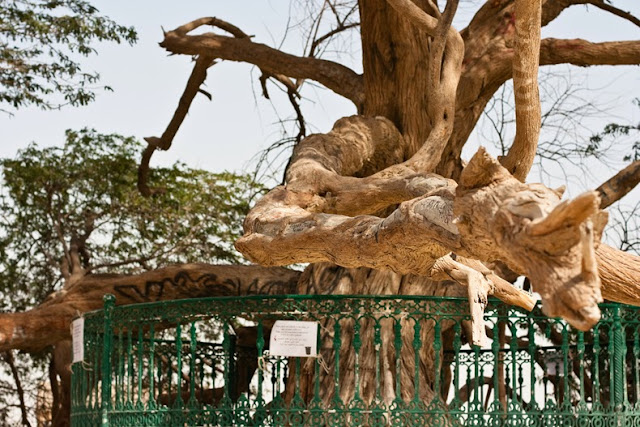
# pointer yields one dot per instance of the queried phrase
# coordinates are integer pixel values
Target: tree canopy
(75, 210)
(41, 42)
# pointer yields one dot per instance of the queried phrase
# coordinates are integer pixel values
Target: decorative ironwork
(384, 361)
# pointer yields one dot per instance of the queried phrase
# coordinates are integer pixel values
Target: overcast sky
(226, 133)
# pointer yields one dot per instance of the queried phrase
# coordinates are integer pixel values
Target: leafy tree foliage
(40, 44)
(81, 201)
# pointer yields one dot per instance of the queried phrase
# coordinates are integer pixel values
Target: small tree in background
(74, 211)
(40, 42)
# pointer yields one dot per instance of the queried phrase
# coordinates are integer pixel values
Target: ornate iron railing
(384, 360)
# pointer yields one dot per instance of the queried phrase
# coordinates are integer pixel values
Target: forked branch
(196, 79)
(445, 68)
(480, 282)
(334, 76)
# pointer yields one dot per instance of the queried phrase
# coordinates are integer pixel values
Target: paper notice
(77, 336)
(292, 338)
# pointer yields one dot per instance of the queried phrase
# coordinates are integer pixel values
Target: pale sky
(227, 132)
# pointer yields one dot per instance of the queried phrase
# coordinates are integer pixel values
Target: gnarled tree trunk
(383, 204)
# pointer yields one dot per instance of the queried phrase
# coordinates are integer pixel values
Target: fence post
(109, 303)
(619, 356)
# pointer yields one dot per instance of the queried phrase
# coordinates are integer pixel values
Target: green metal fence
(396, 360)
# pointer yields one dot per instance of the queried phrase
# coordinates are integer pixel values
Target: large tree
(384, 203)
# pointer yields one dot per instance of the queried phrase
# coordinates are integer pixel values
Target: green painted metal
(207, 362)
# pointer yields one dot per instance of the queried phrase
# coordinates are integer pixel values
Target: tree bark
(49, 323)
(325, 278)
(366, 195)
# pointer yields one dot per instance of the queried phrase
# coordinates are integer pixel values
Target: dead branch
(321, 176)
(8, 357)
(279, 231)
(480, 282)
(197, 77)
(213, 22)
(616, 187)
(614, 10)
(477, 288)
(334, 76)
(339, 29)
(533, 235)
(584, 53)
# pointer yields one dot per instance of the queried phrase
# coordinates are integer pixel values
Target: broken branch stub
(524, 225)
(480, 282)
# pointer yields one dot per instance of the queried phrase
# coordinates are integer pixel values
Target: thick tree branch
(281, 233)
(49, 323)
(619, 185)
(445, 67)
(584, 53)
(525, 88)
(323, 169)
(183, 30)
(618, 271)
(497, 218)
(334, 76)
(489, 42)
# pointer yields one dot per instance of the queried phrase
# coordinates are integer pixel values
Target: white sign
(294, 338)
(77, 335)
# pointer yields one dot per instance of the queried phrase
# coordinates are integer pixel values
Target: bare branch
(618, 271)
(614, 10)
(478, 288)
(584, 53)
(197, 77)
(213, 22)
(440, 40)
(8, 357)
(367, 241)
(619, 185)
(480, 282)
(318, 41)
(334, 76)
(322, 177)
